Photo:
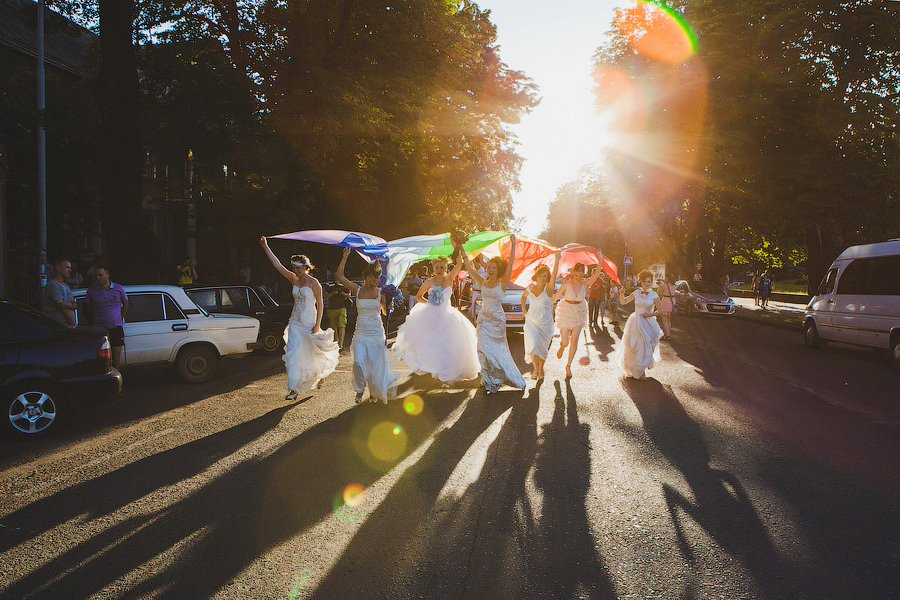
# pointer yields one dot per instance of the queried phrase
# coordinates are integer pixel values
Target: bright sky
(552, 43)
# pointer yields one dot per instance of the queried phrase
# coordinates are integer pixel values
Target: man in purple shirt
(105, 304)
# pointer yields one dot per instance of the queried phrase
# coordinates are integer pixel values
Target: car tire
(33, 410)
(197, 364)
(272, 339)
(895, 352)
(811, 335)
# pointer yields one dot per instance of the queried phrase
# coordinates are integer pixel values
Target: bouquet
(458, 237)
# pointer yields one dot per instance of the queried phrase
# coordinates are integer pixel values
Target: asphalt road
(746, 467)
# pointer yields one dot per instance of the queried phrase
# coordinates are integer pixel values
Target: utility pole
(41, 149)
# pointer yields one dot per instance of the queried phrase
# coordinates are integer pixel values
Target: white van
(858, 301)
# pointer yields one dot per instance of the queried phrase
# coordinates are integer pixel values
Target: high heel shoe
(559, 352)
(568, 371)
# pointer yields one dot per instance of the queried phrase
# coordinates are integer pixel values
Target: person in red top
(597, 302)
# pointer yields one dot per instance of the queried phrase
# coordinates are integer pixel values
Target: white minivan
(858, 301)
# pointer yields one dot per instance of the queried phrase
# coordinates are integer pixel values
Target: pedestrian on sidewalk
(766, 286)
(105, 304)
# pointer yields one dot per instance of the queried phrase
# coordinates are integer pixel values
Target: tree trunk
(131, 248)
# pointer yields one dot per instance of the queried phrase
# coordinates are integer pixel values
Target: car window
(235, 298)
(254, 299)
(827, 282)
(145, 307)
(856, 277)
(681, 287)
(172, 311)
(204, 298)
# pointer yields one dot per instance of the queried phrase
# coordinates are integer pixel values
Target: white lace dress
(639, 348)
(538, 330)
(497, 364)
(371, 362)
(308, 357)
(437, 339)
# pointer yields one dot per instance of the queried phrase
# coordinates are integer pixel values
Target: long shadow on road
(192, 546)
(437, 537)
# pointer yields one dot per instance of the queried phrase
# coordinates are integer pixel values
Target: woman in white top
(572, 312)
(371, 363)
(310, 354)
(537, 304)
(639, 347)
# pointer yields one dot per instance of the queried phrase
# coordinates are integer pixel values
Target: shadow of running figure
(567, 562)
(720, 505)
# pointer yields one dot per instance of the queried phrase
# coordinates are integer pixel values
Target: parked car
(251, 300)
(512, 306)
(163, 325)
(47, 370)
(702, 297)
(858, 301)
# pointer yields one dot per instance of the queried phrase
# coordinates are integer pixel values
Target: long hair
(501, 266)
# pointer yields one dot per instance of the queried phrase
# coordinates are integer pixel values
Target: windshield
(705, 287)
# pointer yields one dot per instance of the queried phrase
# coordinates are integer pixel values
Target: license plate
(716, 308)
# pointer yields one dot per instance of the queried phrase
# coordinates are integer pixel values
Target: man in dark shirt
(338, 298)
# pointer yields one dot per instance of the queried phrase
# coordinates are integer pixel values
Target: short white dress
(371, 362)
(309, 357)
(497, 365)
(639, 348)
(437, 339)
(572, 310)
(538, 330)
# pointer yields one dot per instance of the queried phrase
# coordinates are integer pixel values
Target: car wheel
(895, 353)
(197, 364)
(33, 410)
(272, 340)
(811, 335)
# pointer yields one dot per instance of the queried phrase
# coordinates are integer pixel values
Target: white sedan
(163, 325)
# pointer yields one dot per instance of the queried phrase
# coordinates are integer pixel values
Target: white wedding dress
(437, 339)
(309, 357)
(538, 330)
(371, 362)
(497, 364)
(639, 348)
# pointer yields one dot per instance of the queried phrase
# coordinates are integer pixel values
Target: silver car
(512, 306)
(702, 297)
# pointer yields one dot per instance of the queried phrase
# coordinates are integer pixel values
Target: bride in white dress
(497, 364)
(436, 338)
(371, 363)
(639, 349)
(537, 304)
(310, 354)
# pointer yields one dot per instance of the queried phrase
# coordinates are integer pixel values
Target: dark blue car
(47, 370)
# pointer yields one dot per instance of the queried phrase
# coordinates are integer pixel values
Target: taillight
(103, 350)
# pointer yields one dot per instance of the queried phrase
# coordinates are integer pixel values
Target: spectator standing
(612, 301)
(338, 297)
(597, 301)
(105, 304)
(766, 286)
(187, 272)
(58, 301)
(754, 285)
(75, 280)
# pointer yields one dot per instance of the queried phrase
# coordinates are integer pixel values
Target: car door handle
(260, 312)
(179, 327)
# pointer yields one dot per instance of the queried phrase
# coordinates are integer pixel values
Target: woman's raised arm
(275, 262)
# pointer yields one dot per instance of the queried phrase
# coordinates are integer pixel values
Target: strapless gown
(308, 357)
(639, 347)
(371, 361)
(538, 330)
(437, 339)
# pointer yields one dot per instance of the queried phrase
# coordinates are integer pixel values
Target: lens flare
(345, 511)
(413, 404)
(657, 31)
(387, 441)
(354, 494)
